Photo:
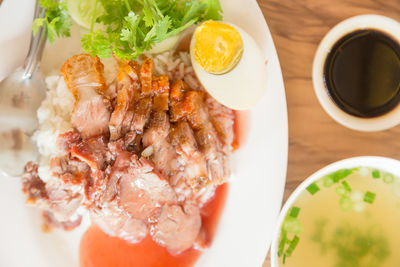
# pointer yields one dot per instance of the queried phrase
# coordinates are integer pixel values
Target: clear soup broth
(349, 218)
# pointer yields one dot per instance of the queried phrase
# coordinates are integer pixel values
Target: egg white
(243, 86)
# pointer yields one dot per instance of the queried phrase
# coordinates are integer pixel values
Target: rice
(177, 66)
(54, 117)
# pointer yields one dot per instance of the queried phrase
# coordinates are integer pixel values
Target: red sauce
(211, 213)
(100, 250)
(241, 128)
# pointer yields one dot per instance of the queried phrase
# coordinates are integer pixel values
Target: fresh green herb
(346, 204)
(291, 226)
(134, 26)
(57, 21)
(327, 181)
(130, 26)
(346, 186)
(388, 178)
(376, 174)
(356, 196)
(313, 188)
(352, 246)
(341, 174)
(292, 245)
(318, 236)
(294, 212)
(282, 243)
(97, 43)
(341, 190)
(369, 197)
(213, 10)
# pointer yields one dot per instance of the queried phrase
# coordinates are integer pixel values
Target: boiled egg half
(229, 64)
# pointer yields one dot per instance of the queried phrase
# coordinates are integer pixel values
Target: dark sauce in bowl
(362, 73)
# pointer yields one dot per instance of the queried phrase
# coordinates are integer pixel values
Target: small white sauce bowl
(374, 22)
(381, 163)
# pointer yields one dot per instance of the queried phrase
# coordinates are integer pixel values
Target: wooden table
(315, 139)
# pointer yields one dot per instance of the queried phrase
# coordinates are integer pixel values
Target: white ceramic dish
(376, 22)
(15, 26)
(255, 192)
(385, 164)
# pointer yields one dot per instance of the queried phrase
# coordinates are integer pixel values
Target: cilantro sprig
(130, 27)
(57, 21)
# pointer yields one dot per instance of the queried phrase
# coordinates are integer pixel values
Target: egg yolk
(218, 47)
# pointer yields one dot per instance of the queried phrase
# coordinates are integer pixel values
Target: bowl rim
(378, 162)
(387, 25)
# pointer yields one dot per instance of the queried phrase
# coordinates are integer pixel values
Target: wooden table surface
(315, 140)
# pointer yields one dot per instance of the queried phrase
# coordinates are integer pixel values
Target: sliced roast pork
(194, 167)
(142, 191)
(157, 146)
(83, 75)
(178, 227)
(54, 197)
(121, 117)
(143, 157)
(32, 185)
(69, 170)
(91, 151)
(114, 221)
(193, 108)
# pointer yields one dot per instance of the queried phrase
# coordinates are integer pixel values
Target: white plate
(255, 192)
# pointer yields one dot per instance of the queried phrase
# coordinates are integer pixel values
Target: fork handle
(36, 46)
